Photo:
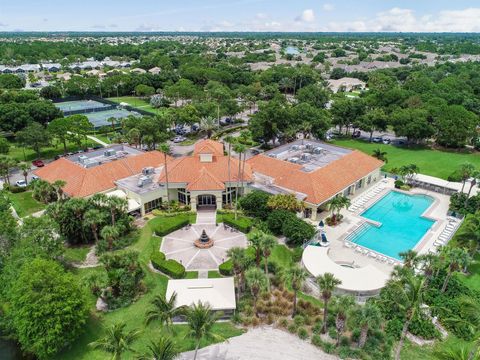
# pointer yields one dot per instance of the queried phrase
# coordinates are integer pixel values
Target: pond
(292, 50)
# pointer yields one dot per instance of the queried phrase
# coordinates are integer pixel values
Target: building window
(151, 205)
(228, 196)
(369, 180)
(358, 185)
(183, 196)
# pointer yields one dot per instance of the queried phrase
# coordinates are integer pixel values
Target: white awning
(427, 179)
(132, 204)
(364, 279)
(218, 293)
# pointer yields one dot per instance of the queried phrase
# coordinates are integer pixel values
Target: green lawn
(76, 254)
(214, 274)
(134, 315)
(431, 162)
(24, 204)
(191, 275)
(49, 152)
(136, 102)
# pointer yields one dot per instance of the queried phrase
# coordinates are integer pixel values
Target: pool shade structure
(363, 281)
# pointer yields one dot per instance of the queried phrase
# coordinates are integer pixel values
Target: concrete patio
(179, 245)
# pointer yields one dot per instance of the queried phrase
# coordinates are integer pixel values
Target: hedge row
(242, 223)
(165, 225)
(169, 267)
(226, 268)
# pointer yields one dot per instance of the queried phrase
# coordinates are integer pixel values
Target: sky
(241, 15)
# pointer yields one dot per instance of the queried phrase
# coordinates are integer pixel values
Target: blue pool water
(402, 224)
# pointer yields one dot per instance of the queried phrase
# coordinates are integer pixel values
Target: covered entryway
(206, 202)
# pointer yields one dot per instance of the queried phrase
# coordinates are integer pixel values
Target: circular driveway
(179, 246)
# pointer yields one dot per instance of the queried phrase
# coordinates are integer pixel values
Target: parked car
(386, 141)
(377, 139)
(356, 134)
(195, 127)
(34, 177)
(179, 139)
(96, 147)
(38, 163)
(21, 183)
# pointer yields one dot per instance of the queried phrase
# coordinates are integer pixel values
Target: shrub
(302, 333)
(299, 320)
(157, 259)
(242, 223)
(399, 184)
(283, 323)
(422, 326)
(332, 333)
(394, 328)
(292, 328)
(165, 225)
(317, 328)
(14, 189)
(226, 268)
(356, 334)
(255, 204)
(344, 341)
(172, 268)
(277, 218)
(297, 254)
(317, 340)
(297, 231)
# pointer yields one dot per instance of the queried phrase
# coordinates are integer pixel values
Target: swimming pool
(401, 225)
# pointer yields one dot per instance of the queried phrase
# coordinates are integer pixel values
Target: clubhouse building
(208, 179)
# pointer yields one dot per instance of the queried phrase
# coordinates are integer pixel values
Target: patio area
(179, 245)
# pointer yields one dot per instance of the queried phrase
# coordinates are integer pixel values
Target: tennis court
(100, 118)
(78, 106)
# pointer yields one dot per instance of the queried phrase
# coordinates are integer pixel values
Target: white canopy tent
(132, 204)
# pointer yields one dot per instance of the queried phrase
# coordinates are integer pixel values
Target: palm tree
(163, 349)
(455, 351)
(466, 170)
(165, 149)
(93, 218)
(239, 263)
(410, 292)
(457, 259)
(428, 264)
(475, 175)
(344, 306)
(334, 206)
(380, 155)
(409, 171)
(6, 163)
(164, 311)
(24, 167)
(229, 140)
(200, 320)
(410, 258)
(468, 235)
(58, 187)
(267, 243)
(239, 149)
(367, 317)
(109, 234)
(208, 124)
(296, 276)
(115, 204)
(117, 340)
(255, 240)
(327, 283)
(256, 281)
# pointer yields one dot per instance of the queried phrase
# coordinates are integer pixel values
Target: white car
(21, 183)
(179, 139)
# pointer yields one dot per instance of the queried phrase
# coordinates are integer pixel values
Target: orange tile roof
(208, 146)
(205, 181)
(82, 182)
(321, 184)
(190, 170)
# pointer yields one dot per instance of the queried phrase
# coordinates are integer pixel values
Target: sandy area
(264, 343)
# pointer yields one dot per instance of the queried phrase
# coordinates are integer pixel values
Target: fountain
(204, 242)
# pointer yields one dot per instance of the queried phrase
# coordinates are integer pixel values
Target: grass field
(431, 162)
(76, 254)
(24, 204)
(134, 315)
(49, 152)
(135, 102)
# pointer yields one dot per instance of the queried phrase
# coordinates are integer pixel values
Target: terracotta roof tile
(208, 146)
(321, 184)
(82, 182)
(205, 181)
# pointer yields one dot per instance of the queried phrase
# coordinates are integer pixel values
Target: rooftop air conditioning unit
(301, 147)
(308, 146)
(144, 180)
(294, 147)
(148, 170)
(318, 150)
(91, 163)
(82, 159)
(109, 152)
(294, 160)
(306, 156)
(273, 155)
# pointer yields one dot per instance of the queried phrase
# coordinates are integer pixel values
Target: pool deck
(352, 220)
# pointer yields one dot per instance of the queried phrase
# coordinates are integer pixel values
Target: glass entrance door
(206, 201)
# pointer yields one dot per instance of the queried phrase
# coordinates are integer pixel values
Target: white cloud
(328, 7)
(405, 20)
(261, 16)
(307, 16)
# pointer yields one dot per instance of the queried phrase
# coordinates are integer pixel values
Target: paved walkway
(264, 343)
(206, 217)
(97, 140)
